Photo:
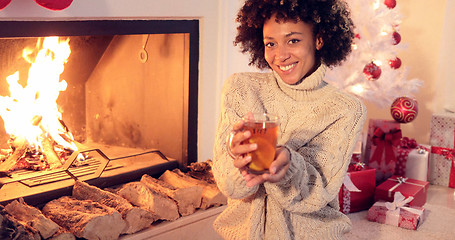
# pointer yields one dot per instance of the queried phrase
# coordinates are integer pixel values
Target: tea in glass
(264, 130)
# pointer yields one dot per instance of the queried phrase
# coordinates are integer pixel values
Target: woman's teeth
(285, 68)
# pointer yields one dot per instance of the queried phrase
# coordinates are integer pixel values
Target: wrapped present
(357, 192)
(407, 186)
(442, 157)
(357, 153)
(412, 160)
(381, 147)
(397, 213)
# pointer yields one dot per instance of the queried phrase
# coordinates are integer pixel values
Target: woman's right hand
(238, 146)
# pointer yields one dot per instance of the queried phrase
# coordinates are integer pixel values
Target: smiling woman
(290, 49)
(297, 197)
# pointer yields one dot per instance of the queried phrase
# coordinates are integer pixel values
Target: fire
(31, 112)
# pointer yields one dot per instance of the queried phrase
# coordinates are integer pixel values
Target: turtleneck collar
(306, 89)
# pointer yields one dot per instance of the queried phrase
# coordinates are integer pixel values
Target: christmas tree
(373, 71)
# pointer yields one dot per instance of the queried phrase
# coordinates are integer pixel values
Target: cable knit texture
(319, 125)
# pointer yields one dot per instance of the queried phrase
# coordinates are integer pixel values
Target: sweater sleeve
(318, 168)
(228, 178)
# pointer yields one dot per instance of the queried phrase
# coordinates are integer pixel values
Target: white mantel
(216, 50)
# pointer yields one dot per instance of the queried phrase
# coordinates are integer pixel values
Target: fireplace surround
(132, 88)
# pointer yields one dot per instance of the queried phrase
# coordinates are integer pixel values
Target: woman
(319, 124)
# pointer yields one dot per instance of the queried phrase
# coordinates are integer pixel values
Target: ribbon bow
(399, 201)
(408, 143)
(384, 145)
(358, 166)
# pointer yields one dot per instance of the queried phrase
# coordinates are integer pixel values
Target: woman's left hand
(277, 170)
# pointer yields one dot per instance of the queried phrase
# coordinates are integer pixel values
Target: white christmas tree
(373, 70)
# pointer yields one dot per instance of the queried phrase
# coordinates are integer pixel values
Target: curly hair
(330, 19)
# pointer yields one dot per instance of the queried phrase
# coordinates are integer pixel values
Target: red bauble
(54, 4)
(4, 3)
(404, 109)
(396, 38)
(390, 3)
(372, 71)
(395, 63)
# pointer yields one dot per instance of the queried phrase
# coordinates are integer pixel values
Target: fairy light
(376, 4)
(358, 89)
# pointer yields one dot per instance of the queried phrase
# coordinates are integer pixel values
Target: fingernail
(273, 170)
(247, 134)
(253, 146)
(248, 158)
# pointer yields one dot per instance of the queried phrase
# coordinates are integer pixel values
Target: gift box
(357, 192)
(397, 213)
(412, 160)
(406, 186)
(442, 155)
(357, 153)
(381, 146)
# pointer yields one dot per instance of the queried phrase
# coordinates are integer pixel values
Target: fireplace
(131, 98)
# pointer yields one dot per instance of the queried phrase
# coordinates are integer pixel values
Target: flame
(31, 111)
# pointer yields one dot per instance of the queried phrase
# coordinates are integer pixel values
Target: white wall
(205, 10)
(447, 60)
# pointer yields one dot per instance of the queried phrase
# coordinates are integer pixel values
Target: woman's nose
(283, 53)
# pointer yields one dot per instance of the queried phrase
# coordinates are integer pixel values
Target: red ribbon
(408, 143)
(384, 145)
(449, 154)
(357, 166)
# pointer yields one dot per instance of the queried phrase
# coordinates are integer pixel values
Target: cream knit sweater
(319, 125)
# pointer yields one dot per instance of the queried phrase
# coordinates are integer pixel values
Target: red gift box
(397, 213)
(407, 186)
(362, 178)
(381, 147)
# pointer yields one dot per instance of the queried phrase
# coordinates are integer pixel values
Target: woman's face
(290, 49)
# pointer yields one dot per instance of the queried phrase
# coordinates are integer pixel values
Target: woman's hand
(238, 150)
(277, 170)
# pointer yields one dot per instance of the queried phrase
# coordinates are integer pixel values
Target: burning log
(136, 218)
(211, 195)
(11, 228)
(188, 199)
(20, 145)
(85, 218)
(51, 157)
(32, 217)
(140, 195)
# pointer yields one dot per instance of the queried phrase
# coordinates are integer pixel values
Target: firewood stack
(94, 213)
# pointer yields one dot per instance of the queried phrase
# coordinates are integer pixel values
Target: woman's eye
(294, 41)
(270, 44)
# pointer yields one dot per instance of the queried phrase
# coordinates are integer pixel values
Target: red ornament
(390, 3)
(395, 63)
(54, 4)
(396, 38)
(357, 36)
(404, 109)
(4, 3)
(372, 71)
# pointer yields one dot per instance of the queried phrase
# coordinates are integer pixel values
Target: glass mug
(264, 129)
